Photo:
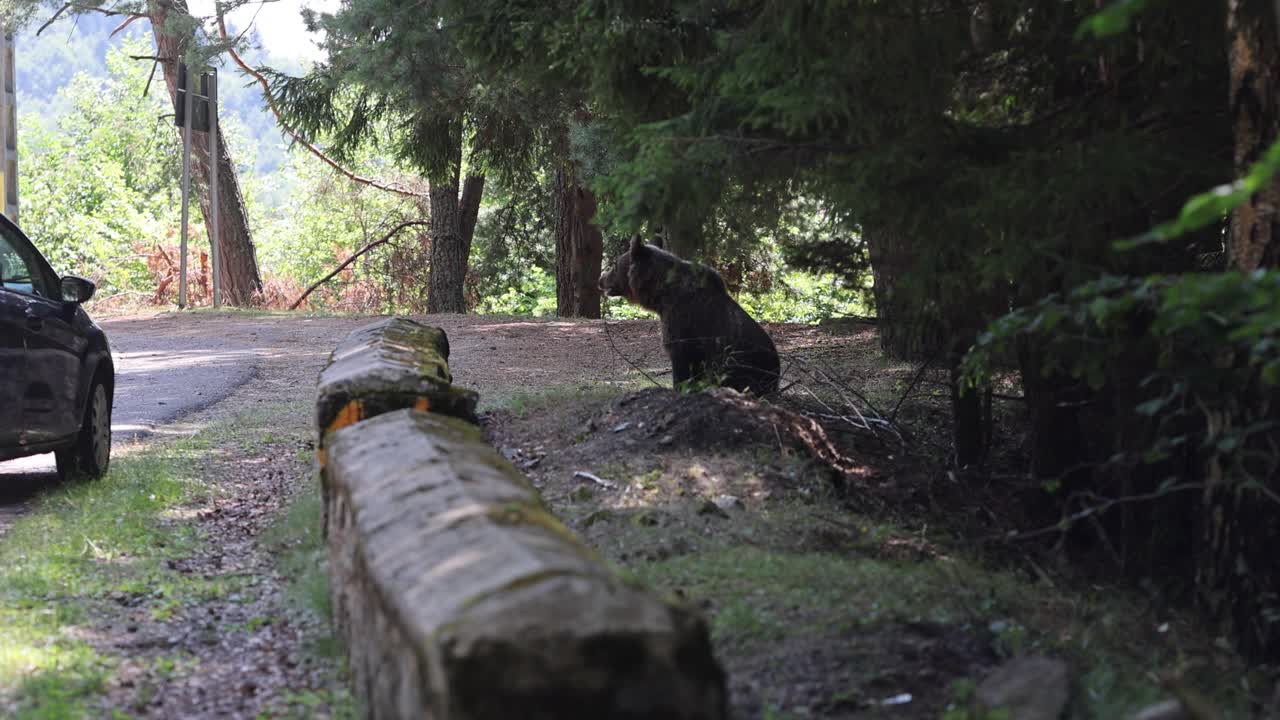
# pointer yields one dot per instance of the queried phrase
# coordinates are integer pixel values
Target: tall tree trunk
(909, 326)
(579, 248)
(469, 211)
(913, 327)
(239, 262)
(1254, 57)
(448, 259)
(452, 227)
(1237, 571)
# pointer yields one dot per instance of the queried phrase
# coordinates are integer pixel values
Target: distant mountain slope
(47, 62)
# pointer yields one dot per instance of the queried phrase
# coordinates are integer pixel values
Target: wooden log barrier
(459, 597)
(391, 364)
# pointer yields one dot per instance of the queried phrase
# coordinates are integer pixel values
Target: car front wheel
(91, 453)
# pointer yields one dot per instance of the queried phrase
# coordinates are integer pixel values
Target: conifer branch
(271, 103)
(90, 8)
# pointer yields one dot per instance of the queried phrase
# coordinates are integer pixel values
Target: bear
(706, 333)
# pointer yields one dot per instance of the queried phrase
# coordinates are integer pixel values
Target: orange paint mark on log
(350, 414)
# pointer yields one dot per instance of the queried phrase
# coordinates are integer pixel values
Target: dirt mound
(722, 419)
(719, 418)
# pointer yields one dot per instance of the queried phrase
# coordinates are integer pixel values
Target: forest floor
(189, 582)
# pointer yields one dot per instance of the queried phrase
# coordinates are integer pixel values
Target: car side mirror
(76, 289)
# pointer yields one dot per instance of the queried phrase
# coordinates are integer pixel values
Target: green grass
(761, 596)
(756, 588)
(86, 546)
(298, 546)
(296, 542)
(61, 565)
(523, 402)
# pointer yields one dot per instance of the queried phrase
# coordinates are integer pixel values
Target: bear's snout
(606, 287)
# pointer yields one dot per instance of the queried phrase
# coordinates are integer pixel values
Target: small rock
(666, 440)
(727, 502)
(711, 507)
(646, 518)
(1031, 687)
(623, 426)
(1167, 710)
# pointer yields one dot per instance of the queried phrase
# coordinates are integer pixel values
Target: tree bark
(448, 259)
(579, 248)
(241, 280)
(1237, 571)
(909, 327)
(469, 211)
(1254, 58)
(452, 227)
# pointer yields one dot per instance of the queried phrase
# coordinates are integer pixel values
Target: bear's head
(631, 275)
(648, 275)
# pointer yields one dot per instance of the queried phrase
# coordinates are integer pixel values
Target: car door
(53, 350)
(12, 359)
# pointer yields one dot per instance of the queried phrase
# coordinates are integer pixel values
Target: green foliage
(394, 80)
(725, 114)
(513, 254)
(1114, 19)
(1214, 339)
(532, 294)
(103, 186)
(799, 297)
(328, 218)
(1215, 205)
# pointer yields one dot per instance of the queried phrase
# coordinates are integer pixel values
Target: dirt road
(173, 364)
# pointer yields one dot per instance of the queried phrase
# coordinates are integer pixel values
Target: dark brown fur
(708, 336)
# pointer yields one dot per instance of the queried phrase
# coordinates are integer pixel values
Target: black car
(56, 375)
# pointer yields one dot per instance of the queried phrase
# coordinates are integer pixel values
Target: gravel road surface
(171, 365)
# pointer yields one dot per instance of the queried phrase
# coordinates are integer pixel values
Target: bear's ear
(660, 240)
(637, 245)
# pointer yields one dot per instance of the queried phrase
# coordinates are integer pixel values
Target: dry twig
(352, 259)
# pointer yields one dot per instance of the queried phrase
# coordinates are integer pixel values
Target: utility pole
(187, 107)
(214, 235)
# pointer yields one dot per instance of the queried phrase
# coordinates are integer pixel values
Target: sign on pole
(184, 96)
(214, 236)
(198, 111)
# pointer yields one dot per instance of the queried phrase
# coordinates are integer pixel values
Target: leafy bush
(800, 297)
(120, 196)
(1214, 339)
(532, 294)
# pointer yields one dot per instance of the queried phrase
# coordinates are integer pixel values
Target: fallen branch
(608, 333)
(595, 479)
(1104, 505)
(893, 416)
(271, 103)
(352, 259)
